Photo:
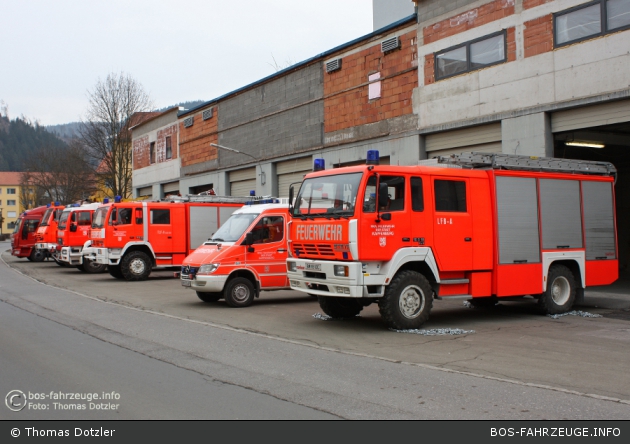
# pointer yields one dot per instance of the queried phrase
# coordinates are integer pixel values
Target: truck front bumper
(205, 283)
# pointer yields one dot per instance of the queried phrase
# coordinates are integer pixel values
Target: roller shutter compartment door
(560, 216)
(242, 182)
(599, 224)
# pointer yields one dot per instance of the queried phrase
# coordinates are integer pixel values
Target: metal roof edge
(303, 63)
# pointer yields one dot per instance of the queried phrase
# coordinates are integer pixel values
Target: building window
(11, 226)
(10, 190)
(169, 148)
(11, 203)
(470, 56)
(374, 88)
(590, 20)
(11, 214)
(152, 152)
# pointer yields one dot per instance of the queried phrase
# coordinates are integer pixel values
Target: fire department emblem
(382, 241)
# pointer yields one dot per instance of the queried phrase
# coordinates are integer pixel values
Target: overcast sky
(53, 52)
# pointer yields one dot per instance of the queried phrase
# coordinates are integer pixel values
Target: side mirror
(249, 240)
(383, 196)
(73, 227)
(290, 198)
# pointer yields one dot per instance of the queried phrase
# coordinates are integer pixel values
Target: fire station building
(531, 77)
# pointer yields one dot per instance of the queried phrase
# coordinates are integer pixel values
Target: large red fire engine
(46, 236)
(131, 238)
(73, 231)
(245, 256)
(490, 227)
(23, 237)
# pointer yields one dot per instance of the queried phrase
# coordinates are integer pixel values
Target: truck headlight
(341, 270)
(208, 269)
(291, 266)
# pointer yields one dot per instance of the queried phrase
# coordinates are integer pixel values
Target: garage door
(242, 182)
(589, 116)
(146, 192)
(291, 171)
(171, 187)
(483, 139)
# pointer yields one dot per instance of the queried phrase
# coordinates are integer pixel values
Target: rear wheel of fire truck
(560, 293)
(135, 266)
(37, 255)
(239, 292)
(114, 270)
(209, 297)
(339, 307)
(407, 301)
(92, 267)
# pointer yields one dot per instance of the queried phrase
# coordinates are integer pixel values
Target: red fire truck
(23, 237)
(492, 227)
(73, 231)
(132, 238)
(245, 256)
(46, 236)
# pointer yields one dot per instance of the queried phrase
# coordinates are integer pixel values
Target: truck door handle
(405, 239)
(468, 239)
(281, 250)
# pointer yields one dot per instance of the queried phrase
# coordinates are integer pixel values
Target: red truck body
(404, 235)
(73, 231)
(23, 238)
(132, 238)
(46, 236)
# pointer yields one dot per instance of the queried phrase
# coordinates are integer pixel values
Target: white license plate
(186, 283)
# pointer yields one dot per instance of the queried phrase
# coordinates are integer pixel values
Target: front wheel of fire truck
(114, 270)
(37, 255)
(407, 301)
(209, 297)
(560, 293)
(92, 267)
(135, 266)
(339, 307)
(239, 292)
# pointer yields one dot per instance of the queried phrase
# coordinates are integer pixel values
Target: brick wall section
(538, 36)
(470, 19)
(346, 101)
(160, 145)
(194, 141)
(528, 4)
(429, 59)
(141, 153)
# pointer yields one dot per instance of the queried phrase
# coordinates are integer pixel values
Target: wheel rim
(411, 302)
(240, 293)
(560, 290)
(137, 266)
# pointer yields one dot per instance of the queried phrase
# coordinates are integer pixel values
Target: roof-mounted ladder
(528, 163)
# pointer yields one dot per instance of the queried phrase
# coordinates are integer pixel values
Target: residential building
(10, 201)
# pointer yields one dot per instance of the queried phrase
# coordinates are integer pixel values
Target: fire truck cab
(245, 256)
(132, 238)
(73, 231)
(23, 237)
(476, 226)
(46, 235)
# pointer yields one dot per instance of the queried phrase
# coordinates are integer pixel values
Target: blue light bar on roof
(372, 157)
(319, 165)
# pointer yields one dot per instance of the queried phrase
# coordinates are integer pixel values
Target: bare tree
(58, 174)
(115, 105)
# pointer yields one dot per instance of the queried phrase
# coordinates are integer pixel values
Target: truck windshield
(46, 217)
(18, 223)
(100, 216)
(63, 219)
(328, 196)
(234, 227)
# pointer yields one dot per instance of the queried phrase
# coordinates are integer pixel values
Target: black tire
(209, 297)
(339, 308)
(560, 294)
(93, 267)
(37, 255)
(80, 267)
(135, 266)
(114, 270)
(58, 262)
(239, 292)
(407, 301)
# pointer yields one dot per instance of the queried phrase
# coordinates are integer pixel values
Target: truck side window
(417, 199)
(395, 191)
(450, 195)
(269, 229)
(124, 216)
(85, 218)
(161, 217)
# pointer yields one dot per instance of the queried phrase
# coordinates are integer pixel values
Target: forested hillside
(21, 140)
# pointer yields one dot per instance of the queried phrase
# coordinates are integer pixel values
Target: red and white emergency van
(245, 256)
(46, 236)
(23, 236)
(132, 238)
(73, 231)
(490, 227)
